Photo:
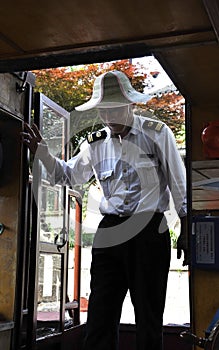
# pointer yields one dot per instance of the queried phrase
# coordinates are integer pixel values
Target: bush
(87, 239)
(173, 237)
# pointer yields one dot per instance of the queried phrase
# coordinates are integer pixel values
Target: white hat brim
(127, 94)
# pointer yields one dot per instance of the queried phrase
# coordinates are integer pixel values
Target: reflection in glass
(49, 294)
(52, 197)
(53, 131)
(51, 214)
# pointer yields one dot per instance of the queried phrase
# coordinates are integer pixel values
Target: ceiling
(182, 34)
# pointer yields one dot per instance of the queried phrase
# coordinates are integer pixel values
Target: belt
(142, 213)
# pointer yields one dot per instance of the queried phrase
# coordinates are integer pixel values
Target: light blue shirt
(136, 173)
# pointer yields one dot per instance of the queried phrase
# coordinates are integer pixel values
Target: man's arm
(174, 169)
(182, 242)
(33, 139)
(77, 170)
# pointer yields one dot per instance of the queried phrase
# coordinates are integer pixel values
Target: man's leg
(148, 276)
(108, 290)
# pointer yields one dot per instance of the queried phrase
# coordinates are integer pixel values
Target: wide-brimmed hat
(112, 89)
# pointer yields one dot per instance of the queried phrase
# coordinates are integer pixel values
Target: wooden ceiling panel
(52, 33)
(7, 49)
(39, 26)
(195, 71)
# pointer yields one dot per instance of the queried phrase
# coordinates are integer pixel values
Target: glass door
(49, 234)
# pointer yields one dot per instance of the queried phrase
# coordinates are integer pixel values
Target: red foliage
(72, 86)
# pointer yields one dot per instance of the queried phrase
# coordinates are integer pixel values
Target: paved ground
(177, 301)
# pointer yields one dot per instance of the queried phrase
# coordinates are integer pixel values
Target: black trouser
(141, 265)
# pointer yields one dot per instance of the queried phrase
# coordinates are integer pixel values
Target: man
(137, 163)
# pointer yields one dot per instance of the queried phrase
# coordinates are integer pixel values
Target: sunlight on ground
(177, 301)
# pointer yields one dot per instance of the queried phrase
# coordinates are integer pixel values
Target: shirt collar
(135, 129)
(108, 132)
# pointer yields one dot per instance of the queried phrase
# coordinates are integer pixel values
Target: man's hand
(31, 136)
(182, 242)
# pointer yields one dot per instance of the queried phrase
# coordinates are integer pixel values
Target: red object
(210, 139)
(83, 304)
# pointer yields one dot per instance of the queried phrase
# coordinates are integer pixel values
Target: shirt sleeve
(75, 171)
(173, 168)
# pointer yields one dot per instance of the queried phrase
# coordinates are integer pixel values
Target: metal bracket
(27, 77)
(62, 236)
(2, 227)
